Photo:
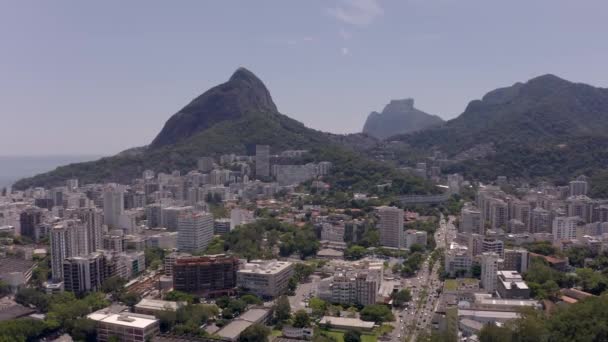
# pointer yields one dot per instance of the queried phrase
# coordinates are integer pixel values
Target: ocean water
(13, 168)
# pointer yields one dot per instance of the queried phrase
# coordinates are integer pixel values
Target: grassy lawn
(450, 285)
(368, 338)
(469, 280)
(276, 333)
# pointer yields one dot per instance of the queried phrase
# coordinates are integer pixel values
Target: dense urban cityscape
(249, 245)
(431, 171)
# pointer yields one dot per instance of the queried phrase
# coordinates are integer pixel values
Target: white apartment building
(113, 204)
(265, 278)
(64, 244)
(126, 326)
(489, 269)
(415, 237)
(240, 216)
(458, 259)
(194, 231)
(470, 220)
(332, 232)
(564, 228)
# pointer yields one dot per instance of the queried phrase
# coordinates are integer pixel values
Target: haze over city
(98, 78)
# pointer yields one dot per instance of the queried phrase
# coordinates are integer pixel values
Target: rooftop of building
(471, 324)
(233, 329)
(254, 315)
(124, 319)
(347, 322)
(12, 264)
(156, 304)
(265, 266)
(488, 314)
(13, 311)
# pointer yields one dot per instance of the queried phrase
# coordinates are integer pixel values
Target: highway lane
(427, 298)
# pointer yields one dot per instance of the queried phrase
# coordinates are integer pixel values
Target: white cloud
(356, 12)
(345, 51)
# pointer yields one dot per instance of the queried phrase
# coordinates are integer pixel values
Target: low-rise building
(126, 327)
(154, 306)
(458, 260)
(510, 285)
(347, 323)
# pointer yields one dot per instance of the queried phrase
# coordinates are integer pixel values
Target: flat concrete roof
(488, 314)
(253, 315)
(233, 329)
(347, 322)
(156, 304)
(123, 319)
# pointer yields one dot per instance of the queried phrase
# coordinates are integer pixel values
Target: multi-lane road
(425, 287)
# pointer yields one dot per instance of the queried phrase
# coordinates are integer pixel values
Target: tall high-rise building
(82, 274)
(57, 196)
(390, 226)
(92, 221)
(499, 214)
(64, 244)
(470, 221)
(262, 161)
(113, 205)
(493, 245)
(578, 187)
(72, 184)
(540, 221)
(29, 220)
(564, 228)
(522, 211)
(581, 206)
(489, 269)
(516, 259)
(194, 231)
(170, 216)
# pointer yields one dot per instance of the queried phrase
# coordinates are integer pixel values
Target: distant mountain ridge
(229, 118)
(399, 117)
(544, 127)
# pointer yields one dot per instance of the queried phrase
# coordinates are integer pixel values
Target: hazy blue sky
(99, 77)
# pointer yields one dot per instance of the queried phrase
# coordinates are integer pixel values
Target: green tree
(251, 299)
(318, 306)
(493, 333)
(377, 313)
(255, 333)
(113, 285)
(355, 252)
(84, 329)
(401, 297)
(282, 310)
(29, 296)
(301, 319)
(23, 329)
(352, 336)
(130, 299)
(178, 296)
